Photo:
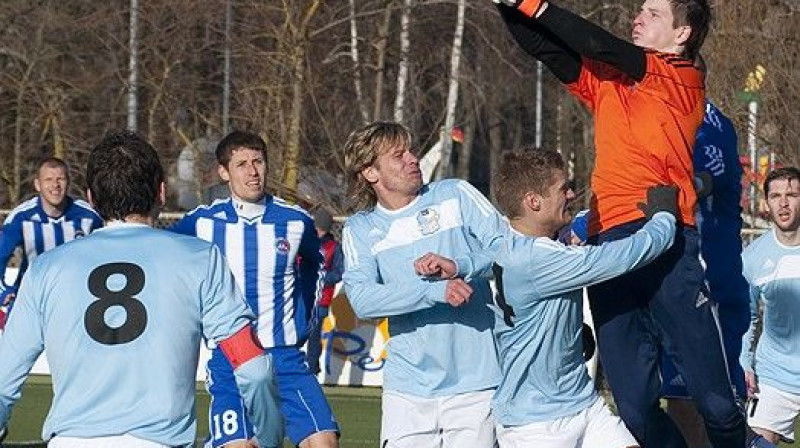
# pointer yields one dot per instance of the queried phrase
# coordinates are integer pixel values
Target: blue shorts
(305, 409)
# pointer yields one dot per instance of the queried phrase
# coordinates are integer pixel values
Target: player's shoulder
(765, 242)
(83, 208)
(217, 209)
(293, 211)
(675, 66)
(23, 211)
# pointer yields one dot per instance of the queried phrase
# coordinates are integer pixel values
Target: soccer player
(546, 397)
(334, 267)
(274, 253)
(441, 368)
(122, 313)
(647, 99)
(717, 169)
(39, 224)
(771, 267)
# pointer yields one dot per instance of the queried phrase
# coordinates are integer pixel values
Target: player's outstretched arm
(593, 42)
(255, 378)
(543, 45)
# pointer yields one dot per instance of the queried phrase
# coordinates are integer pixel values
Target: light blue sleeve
(256, 382)
(369, 297)
(566, 269)
(20, 345)
(224, 309)
(748, 340)
(486, 225)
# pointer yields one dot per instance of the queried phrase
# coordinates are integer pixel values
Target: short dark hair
(239, 139)
(52, 162)
(695, 14)
(527, 169)
(124, 175)
(788, 173)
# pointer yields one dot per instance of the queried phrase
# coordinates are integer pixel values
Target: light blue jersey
(122, 314)
(773, 271)
(539, 316)
(263, 244)
(31, 228)
(435, 349)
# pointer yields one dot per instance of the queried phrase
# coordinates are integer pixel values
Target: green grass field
(357, 409)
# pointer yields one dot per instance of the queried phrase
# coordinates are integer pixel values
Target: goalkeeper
(647, 99)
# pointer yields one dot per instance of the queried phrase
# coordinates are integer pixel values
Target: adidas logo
(701, 299)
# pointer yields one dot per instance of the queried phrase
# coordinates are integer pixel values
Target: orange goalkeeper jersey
(644, 134)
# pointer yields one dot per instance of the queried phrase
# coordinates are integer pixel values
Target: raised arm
(586, 38)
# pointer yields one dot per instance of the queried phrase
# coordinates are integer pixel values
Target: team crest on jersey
(282, 246)
(428, 221)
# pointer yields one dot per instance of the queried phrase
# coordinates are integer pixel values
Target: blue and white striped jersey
(30, 227)
(273, 250)
(773, 271)
(435, 349)
(121, 313)
(539, 316)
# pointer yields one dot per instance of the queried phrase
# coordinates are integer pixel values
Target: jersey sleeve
(224, 309)
(747, 357)
(185, 225)
(311, 265)
(368, 295)
(21, 343)
(556, 269)
(485, 224)
(10, 239)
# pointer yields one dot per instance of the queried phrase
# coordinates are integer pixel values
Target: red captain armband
(529, 7)
(241, 347)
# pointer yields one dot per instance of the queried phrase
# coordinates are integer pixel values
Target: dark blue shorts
(305, 409)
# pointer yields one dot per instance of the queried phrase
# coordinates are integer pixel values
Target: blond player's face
(783, 202)
(52, 183)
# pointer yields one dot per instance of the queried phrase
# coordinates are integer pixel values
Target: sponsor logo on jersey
(428, 221)
(282, 246)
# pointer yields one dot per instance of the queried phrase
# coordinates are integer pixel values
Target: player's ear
(162, 194)
(223, 173)
(370, 173)
(531, 201)
(36, 184)
(682, 34)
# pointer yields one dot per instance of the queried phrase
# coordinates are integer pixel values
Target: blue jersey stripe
(58, 231)
(38, 238)
(279, 284)
(251, 266)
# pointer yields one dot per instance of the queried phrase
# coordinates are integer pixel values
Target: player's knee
(720, 412)
(326, 439)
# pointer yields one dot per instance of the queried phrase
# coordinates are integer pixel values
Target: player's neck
(139, 219)
(396, 201)
(788, 238)
(53, 211)
(529, 228)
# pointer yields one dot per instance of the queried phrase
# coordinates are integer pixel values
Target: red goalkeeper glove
(527, 7)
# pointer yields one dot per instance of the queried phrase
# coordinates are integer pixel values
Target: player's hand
(528, 7)
(660, 198)
(435, 265)
(457, 292)
(703, 183)
(751, 382)
(8, 295)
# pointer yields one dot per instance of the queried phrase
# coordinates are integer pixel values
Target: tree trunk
(402, 73)
(452, 93)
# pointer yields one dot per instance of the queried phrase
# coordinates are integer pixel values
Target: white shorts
(594, 427)
(453, 421)
(123, 441)
(775, 411)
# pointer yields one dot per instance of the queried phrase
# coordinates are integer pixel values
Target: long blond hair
(361, 151)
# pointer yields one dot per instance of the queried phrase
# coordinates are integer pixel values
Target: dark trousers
(664, 308)
(314, 348)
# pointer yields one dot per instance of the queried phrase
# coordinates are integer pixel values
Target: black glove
(660, 198)
(589, 344)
